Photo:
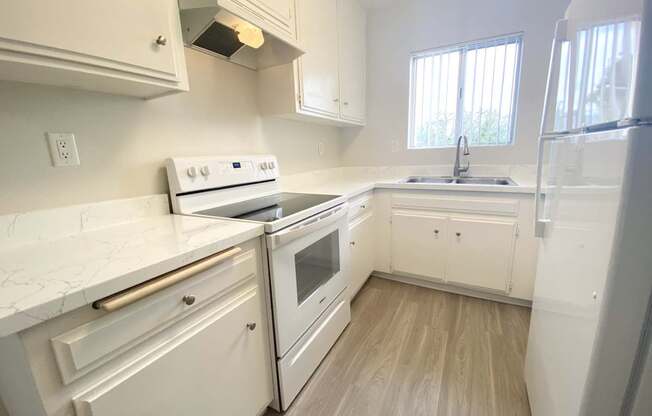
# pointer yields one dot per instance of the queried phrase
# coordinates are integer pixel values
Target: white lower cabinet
(466, 251)
(162, 355)
(419, 244)
(361, 232)
(464, 241)
(217, 366)
(481, 253)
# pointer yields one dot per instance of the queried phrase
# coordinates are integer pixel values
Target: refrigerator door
(581, 181)
(593, 68)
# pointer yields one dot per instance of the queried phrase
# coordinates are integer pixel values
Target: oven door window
(316, 264)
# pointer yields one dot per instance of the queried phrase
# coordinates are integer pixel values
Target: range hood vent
(213, 30)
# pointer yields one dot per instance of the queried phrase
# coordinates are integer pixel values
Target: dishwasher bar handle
(138, 292)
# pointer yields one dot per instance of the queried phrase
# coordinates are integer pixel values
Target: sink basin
(429, 179)
(495, 181)
(486, 181)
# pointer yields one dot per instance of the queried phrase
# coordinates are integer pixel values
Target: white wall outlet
(321, 148)
(63, 149)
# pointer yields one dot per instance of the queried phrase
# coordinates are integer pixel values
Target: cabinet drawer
(218, 365)
(361, 205)
(88, 346)
(301, 361)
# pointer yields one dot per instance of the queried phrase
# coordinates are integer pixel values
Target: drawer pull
(189, 300)
(363, 206)
(138, 292)
(161, 40)
(251, 326)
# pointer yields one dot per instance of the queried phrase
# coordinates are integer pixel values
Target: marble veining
(61, 270)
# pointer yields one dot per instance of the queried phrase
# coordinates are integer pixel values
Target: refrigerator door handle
(540, 222)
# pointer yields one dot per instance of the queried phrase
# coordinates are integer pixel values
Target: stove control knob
(272, 165)
(205, 171)
(263, 166)
(192, 171)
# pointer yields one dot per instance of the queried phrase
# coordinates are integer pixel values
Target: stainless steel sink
(486, 181)
(494, 181)
(429, 179)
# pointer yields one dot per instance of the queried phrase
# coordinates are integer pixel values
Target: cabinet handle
(336, 100)
(346, 103)
(189, 300)
(251, 326)
(138, 292)
(363, 206)
(352, 243)
(436, 231)
(458, 234)
(161, 40)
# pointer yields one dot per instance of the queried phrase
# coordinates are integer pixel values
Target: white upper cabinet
(327, 83)
(278, 13)
(121, 47)
(318, 68)
(352, 28)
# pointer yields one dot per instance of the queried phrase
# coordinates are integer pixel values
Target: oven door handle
(307, 226)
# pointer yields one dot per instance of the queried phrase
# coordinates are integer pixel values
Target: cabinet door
(118, 33)
(352, 29)
(279, 13)
(362, 243)
(419, 245)
(481, 253)
(216, 366)
(318, 68)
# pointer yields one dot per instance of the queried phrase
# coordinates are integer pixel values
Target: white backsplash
(27, 227)
(522, 174)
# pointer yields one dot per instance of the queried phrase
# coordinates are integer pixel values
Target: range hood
(210, 26)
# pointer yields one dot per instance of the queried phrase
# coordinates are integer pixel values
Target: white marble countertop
(55, 274)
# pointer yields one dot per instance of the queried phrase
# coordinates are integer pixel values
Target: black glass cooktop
(269, 208)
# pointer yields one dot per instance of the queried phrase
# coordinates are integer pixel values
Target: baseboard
(453, 289)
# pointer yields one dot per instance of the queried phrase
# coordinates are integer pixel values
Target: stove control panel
(206, 173)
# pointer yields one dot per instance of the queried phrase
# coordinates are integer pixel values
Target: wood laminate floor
(414, 351)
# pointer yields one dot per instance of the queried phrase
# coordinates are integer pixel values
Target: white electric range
(306, 239)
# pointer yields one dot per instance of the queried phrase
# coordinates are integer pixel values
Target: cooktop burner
(269, 208)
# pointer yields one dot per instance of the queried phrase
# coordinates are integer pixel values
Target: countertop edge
(23, 319)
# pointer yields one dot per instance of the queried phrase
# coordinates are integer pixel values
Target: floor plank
(412, 351)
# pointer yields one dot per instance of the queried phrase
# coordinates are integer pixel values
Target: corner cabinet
(327, 84)
(122, 47)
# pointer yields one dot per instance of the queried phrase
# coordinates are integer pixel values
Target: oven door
(309, 269)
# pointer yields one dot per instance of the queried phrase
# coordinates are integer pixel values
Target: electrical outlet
(63, 149)
(321, 148)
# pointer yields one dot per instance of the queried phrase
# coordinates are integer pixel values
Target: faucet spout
(458, 170)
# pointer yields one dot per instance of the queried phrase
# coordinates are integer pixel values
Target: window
(468, 89)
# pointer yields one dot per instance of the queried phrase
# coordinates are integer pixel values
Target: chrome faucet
(457, 169)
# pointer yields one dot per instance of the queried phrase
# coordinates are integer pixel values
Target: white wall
(410, 25)
(123, 142)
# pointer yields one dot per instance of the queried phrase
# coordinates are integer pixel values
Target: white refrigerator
(589, 341)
